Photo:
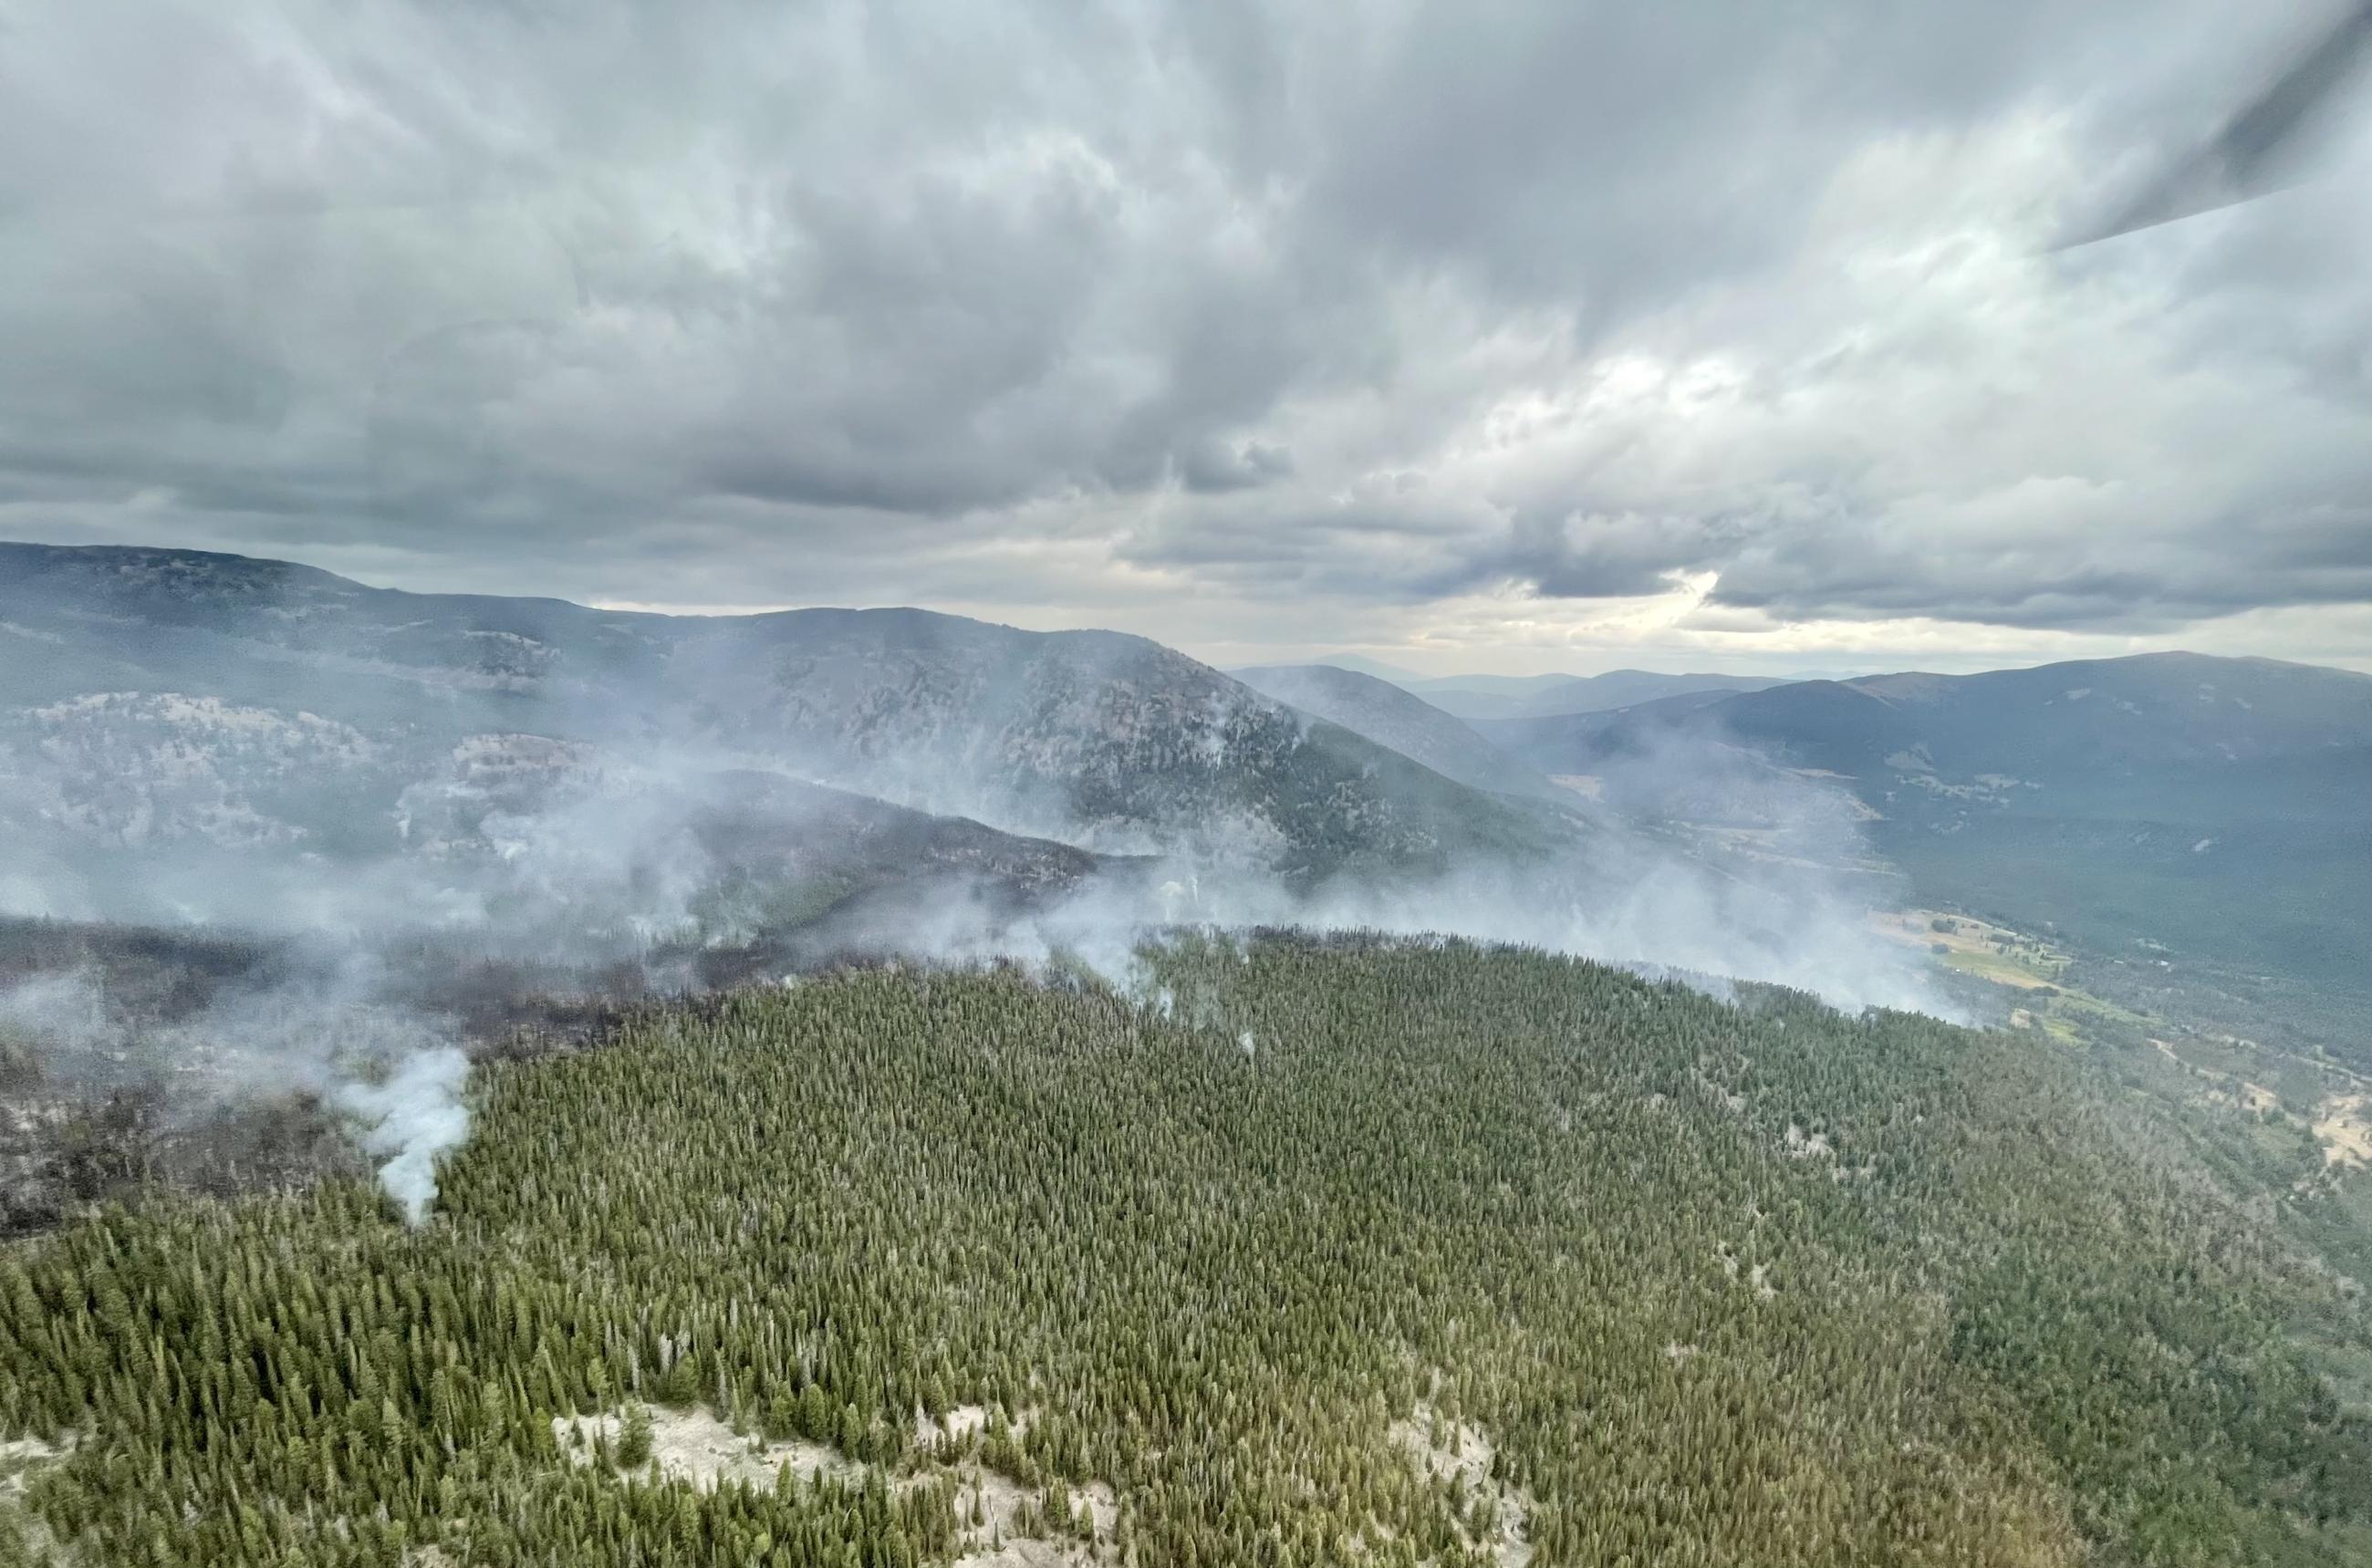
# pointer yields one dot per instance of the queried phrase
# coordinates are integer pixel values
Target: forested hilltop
(1313, 1252)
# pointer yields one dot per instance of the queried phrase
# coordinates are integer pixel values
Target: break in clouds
(1405, 315)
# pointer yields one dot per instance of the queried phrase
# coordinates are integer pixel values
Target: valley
(491, 1082)
(2200, 818)
(949, 784)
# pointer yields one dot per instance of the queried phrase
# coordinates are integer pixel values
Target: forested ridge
(1709, 1283)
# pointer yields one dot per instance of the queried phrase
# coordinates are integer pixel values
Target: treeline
(1718, 1283)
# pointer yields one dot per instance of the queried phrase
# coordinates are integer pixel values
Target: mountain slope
(1361, 665)
(192, 685)
(170, 808)
(1390, 716)
(1348, 1252)
(2160, 723)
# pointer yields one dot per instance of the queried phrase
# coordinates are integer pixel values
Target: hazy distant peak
(1541, 696)
(1361, 665)
(1396, 718)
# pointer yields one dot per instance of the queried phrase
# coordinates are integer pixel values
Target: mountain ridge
(1394, 718)
(2166, 802)
(1102, 738)
(1511, 697)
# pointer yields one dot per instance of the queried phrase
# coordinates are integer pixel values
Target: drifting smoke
(309, 1028)
(415, 1115)
(64, 1015)
(1699, 858)
(540, 800)
(1705, 863)
(393, 1069)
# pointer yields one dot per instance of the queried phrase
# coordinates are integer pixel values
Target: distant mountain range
(1360, 664)
(2166, 803)
(1533, 696)
(179, 727)
(175, 703)
(1389, 715)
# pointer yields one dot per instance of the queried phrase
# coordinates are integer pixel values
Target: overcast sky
(1469, 336)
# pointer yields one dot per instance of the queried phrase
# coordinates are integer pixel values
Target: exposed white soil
(693, 1446)
(961, 1423)
(2229, 1089)
(20, 1457)
(2343, 1122)
(1450, 1450)
(998, 1543)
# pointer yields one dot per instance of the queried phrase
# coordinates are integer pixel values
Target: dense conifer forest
(1299, 1253)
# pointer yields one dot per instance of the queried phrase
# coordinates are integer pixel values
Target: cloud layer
(1258, 327)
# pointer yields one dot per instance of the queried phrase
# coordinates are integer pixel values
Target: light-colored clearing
(20, 1457)
(1002, 1500)
(2344, 1125)
(1460, 1450)
(1588, 785)
(963, 1421)
(693, 1446)
(1860, 810)
(1025, 1553)
(2256, 1097)
(1992, 952)
(2002, 968)
(1772, 846)
(2230, 1090)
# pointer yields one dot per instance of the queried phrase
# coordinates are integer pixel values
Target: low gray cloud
(1107, 312)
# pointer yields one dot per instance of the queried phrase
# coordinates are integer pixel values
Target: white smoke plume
(572, 856)
(393, 1072)
(595, 804)
(414, 1115)
(65, 1014)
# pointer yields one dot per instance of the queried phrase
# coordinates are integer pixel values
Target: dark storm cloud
(1038, 303)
